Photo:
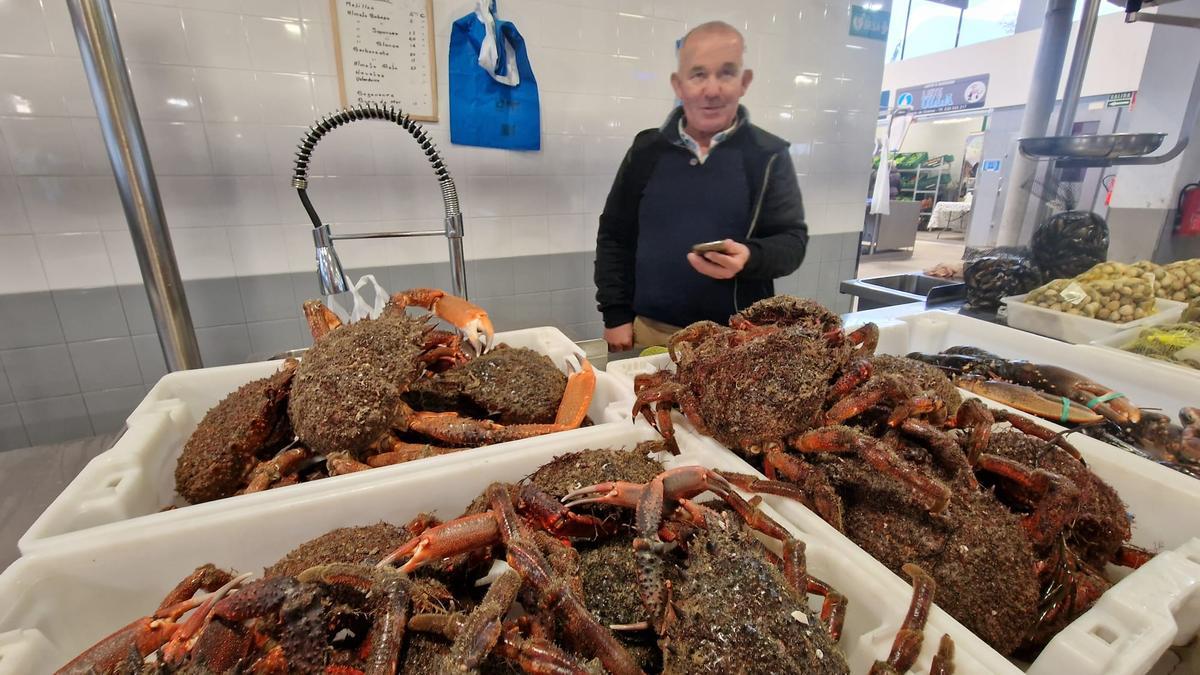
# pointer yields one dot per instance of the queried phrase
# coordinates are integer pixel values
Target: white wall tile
(150, 34)
(203, 253)
(178, 148)
(92, 149)
(251, 199)
(259, 250)
(276, 44)
(165, 92)
(238, 149)
(228, 95)
(59, 204)
(22, 28)
(12, 210)
(530, 236)
(288, 97)
(216, 39)
(490, 238)
(193, 201)
(122, 258)
(43, 146)
(564, 194)
(29, 86)
(77, 260)
(21, 265)
(6, 168)
(318, 43)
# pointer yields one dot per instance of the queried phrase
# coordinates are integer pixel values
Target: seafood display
(379, 392)
(1008, 521)
(1072, 399)
(631, 574)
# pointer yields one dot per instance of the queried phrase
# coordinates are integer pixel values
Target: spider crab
(347, 400)
(777, 378)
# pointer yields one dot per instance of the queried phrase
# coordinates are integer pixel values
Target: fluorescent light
(953, 120)
(293, 28)
(626, 56)
(179, 102)
(785, 115)
(21, 105)
(631, 15)
(855, 47)
(805, 79)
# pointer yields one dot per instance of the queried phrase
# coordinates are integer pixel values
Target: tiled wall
(225, 88)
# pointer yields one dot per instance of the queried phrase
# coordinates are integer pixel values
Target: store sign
(964, 93)
(869, 23)
(991, 165)
(885, 97)
(1122, 99)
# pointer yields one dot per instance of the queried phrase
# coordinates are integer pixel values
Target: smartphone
(717, 246)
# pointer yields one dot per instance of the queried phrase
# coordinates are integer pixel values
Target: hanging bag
(493, 94)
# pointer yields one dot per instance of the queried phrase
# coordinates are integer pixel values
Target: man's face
(710, 80)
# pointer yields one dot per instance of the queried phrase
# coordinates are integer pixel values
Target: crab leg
(907, 645)
(930, 492)
(321, 320)
(1036, 430)
(453, 428)
(1055, 498)
(272, 471)
(464, 315)
(534, 655)
(399, 452)
(943, 660)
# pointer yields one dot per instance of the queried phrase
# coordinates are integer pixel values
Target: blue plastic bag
(493, 94)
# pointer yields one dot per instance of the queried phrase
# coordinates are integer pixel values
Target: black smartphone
(717, 246)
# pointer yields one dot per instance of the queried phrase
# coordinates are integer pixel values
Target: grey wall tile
(828, 282)
(304, 286)
(137, 310)
(223, 345)
(91, 314)
(807, 279)
(427, 275)
(105, 364)
(573, 306)
(382, 274)
(531, 274)
(150, 358)
(54, 420)
(491, 278)
(269, 297)
(28, 320)
(271, 337)
(12, 429)
(6, 395)
(571, 270)
(530, 309)
(591, 330)
(40, 372)
(214, 302)
(109, 408)
(499, 311)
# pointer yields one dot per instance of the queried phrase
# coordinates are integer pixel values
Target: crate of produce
(1079, 329)
(131, 483)
(61, 600)
(1175, 345)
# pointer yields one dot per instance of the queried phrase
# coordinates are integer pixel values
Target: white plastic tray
(135, 478)
(1114, 343)
(1150, 608)
(1146, 382)
(1079, 329)
(63, 599)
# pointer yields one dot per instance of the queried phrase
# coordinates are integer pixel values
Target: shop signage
(885, 97)
(991, 165)
(869, 23)
(964, 93)
(1122, 99)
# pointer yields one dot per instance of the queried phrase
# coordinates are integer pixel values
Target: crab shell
(347, 391)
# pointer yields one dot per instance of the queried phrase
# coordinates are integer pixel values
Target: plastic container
(1151, 384)
(135, 478)
(1079, 329)
(60, 601)
(1114, 343)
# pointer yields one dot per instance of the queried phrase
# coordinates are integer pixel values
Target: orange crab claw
(321, 320)
(463, 314)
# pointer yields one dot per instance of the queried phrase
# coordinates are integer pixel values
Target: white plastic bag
(361, 308)
(489, 52)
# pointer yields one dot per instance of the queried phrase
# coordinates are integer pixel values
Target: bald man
(706, 176)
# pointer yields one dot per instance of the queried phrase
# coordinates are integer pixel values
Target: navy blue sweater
(661, 203)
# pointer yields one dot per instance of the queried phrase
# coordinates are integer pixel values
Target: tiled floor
(31, 478)
(929, 251)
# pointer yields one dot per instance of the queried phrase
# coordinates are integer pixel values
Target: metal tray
(1092, 146)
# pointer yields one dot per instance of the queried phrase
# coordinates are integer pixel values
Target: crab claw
(616, 493)
(463, 314)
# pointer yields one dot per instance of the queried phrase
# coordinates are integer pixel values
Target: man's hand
(721, 265)
(619, 338)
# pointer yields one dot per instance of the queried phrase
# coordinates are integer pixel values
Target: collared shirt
(696, 149)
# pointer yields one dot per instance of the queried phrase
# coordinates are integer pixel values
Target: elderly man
(707, 176)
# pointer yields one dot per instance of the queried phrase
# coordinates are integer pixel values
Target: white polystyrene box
(130, 483)
(62, 599)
